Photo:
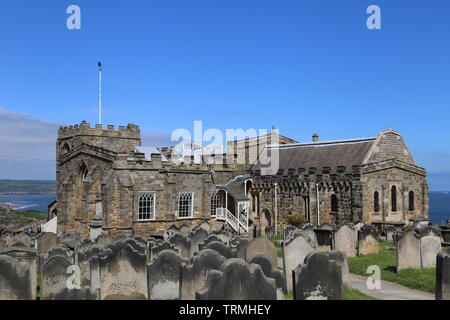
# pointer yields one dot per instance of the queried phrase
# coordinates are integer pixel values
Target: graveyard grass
(419, 279)
(347, 294)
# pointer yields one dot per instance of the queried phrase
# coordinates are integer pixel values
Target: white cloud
(27, 145)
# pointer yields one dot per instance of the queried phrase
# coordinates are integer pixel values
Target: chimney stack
(315, 137)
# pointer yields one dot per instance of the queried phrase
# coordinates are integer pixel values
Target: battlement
(131, 131)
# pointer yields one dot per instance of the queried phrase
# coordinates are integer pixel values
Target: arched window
(394, 198)
(411, 201)
(65, 149)
(217, 202)
(376, 202)
(334, 203)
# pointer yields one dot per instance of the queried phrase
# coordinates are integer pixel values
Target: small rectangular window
(185, 205)
(147, 206)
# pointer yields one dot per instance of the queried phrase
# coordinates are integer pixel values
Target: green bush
(296, 220)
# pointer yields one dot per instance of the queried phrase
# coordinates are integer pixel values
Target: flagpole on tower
(100, 92)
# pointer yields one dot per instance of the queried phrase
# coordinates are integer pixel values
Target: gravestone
(27, 256)
(295, 250)
(287, 231)
(368, 240)
(123, 273)
(238, 280)
(211, 238)
(341, 259)
(160, 248)
(197, 237)
(319, 278)
(46, 241)
(182, 243)
(264, 246)
(324, 236)
(57, 267)
(193, 275)
(221, 248)
(76, 294)
(89, 264)
(20, 240)
(430, 246)
(345, 240)
(223, 236)
(309, 229)
(206, 226)
(164, 274)
(408, 250)
(443, 277)
(241, 246)
(15, 280)
(271, 272)
(169, 232)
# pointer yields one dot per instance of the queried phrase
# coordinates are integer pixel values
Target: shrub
(296, 220)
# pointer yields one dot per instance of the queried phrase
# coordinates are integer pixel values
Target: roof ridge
(322, 143)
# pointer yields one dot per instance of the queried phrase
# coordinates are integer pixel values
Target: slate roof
(236, 188)
(317, 155)
(148, 152)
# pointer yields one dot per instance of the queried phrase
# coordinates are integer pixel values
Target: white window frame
(180, 194)
(140, 194)
(218, 203)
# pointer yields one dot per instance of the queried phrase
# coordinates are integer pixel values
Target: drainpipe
(318, 205)
(275, 208)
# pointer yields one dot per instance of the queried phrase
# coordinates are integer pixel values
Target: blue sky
(305, 66)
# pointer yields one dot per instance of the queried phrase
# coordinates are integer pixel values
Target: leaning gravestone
(262, 246)
(443, 277)
(368, 240)
(57, 267)
(345, 240)
(15, 280)
(182, 243)
(238, 280)
(164, 276)
(295, 250)
(430, 246)
(193, 275)
(318, 279)
(408, 250)
(123, 273)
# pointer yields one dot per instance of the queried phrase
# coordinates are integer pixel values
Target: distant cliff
(27, 187)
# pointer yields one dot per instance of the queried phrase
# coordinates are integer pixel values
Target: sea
(439, 204)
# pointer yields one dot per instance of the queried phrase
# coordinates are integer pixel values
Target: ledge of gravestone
(76, 294)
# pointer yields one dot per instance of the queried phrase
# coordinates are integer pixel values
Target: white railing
(232, 220)
(243, 221)
(223, 214)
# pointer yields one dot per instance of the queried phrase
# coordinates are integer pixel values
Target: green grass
(347, 294)
(419, 279)
(352, 294)
(21, 217)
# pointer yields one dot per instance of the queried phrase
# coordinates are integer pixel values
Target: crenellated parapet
(131, 131)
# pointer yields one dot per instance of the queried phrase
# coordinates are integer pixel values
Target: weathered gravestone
(341, 259)
(211, 238)
(205, 226)
(345, 240)
(182, 243)
(123, 273)
(309, 229)
(164, 274)
(238, 280)
(408, 250)
(160, 247)
(318, 279)
(57, 266)
(324, 236)
(89, 264)
(368, 240)
(76, 294)
(430, 246)
(15, 280)
(46, 241)
(27, 256)
(443, 277)
(221, 248)
(287, 231)
(169, 232)
(20, 240)
(264, 246)
(193, 275)
(295, 250)
(197, 237)
(223, 236)
(240, 244)
(271, 272)
(3, 243)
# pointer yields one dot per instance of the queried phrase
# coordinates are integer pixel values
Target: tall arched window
(376, 202)
(411, 201)
(217, 202)
(394, 198)
(334, 203)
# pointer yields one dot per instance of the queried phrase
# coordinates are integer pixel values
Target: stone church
(108, 183)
